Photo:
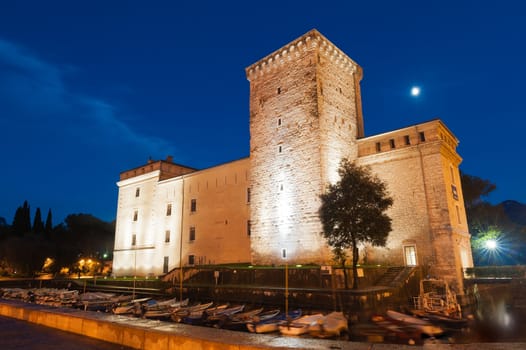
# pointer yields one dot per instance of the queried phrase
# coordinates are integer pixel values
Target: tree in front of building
(352, 212)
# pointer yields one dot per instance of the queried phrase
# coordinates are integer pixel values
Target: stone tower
(305, 116)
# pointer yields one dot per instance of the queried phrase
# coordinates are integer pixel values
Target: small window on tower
(454, 192)
(378, 147)
(167, 236)
(137, 192)
(248, 195)
(279, 121)
(135, 215)
(191, 259)
(407, 140)
(249, 227)
(134, 240)
(193, 204)
(279, 90)
(192, 233)
(422, 136)
(279, 149)
(392, 143)
(169, 209)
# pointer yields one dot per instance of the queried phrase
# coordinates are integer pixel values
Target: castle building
(305, 116)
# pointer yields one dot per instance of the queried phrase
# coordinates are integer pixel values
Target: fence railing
(495, 272)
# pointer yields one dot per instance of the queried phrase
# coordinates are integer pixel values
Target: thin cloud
(34, 94)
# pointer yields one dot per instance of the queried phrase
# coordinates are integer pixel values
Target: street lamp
(491, 244)
(284, 256)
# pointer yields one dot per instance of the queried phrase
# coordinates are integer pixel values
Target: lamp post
(134, 271)
(284, 256)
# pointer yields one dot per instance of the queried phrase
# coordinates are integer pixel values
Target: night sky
(89, 89)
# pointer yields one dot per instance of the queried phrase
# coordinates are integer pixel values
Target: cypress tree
(38, 225)
(49, 224)
(26, 217)
(22, 220)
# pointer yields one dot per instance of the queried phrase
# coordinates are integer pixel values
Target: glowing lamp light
(415, 91)
(491, 244)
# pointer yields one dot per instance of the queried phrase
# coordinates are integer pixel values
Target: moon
(415, 91)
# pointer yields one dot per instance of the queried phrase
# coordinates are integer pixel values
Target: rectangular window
(284, 253)
(407, 140)
(165, 265)
(410, 255)
(137, 192)
(279, 90)
(193, 205)
(279, 121)
(249, 228)
(279, 149)
(458, 214)
(169, 209)
(422, 136)
(192, 234)
(248, 195)
(392, 143)
(378, 147)
(167, 236)
(191, 259)
(135, 215)
(134, 240)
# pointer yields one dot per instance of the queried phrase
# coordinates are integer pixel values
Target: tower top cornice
(312, 40)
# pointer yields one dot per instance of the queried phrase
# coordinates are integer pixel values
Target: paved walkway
(17, 335)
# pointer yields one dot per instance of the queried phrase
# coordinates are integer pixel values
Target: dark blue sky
(92, 88)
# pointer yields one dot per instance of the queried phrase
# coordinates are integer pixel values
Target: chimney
(170, 159)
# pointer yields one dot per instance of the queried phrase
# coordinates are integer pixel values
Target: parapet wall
(152, 334)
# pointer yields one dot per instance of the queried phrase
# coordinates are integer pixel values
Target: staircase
(395, 276)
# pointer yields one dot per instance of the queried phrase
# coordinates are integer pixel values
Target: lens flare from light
(491, 244)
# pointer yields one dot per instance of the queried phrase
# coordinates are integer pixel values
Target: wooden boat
(396, 329)
(299, 326)
(221, 314)
(441, 319)
(179, 313)
(331, 325)
(245, 316)
(163, 310)
(271, 324)
(237, 321)
(424, 326)
(264, 315)
(200, 316)
(161, 305)
(130, 307)
(436, 297)
(98, 301)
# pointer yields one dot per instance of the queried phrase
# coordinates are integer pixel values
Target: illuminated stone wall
(153, 207)
(305, 115)
(221, 216)
(419, 164)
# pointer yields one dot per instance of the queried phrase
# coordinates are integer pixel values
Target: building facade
(305, 116)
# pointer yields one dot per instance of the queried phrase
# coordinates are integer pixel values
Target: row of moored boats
(219, 315)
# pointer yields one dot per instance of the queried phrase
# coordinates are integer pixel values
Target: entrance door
(410, 255)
